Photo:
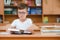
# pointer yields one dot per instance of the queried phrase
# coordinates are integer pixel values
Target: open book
(17, 31)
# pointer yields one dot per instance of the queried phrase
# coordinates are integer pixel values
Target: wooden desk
(36, 36)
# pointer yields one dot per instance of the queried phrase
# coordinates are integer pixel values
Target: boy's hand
(32, 28)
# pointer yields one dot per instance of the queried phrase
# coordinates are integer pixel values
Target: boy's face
(22, 14)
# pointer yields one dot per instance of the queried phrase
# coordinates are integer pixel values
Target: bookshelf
(32, 15)
(1, 11)
(49, 10)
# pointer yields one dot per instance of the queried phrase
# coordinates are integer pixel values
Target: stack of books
(50, 29)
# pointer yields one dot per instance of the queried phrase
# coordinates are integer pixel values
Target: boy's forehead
(22, 10)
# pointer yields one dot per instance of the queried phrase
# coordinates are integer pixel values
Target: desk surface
(33, 35)
(37, 34)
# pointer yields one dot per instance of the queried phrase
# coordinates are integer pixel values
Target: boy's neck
(22, 20)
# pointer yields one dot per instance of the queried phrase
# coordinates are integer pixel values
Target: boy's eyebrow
(21, 12)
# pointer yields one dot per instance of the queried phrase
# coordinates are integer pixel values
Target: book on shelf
(1, 19)
(38, 11)
(58, 20)
(14, 11)
(38, 2)
(33, 10)
(8, 10)
(29, 10)
(15, 3)
(28, 2)
(45, 19)
(7, 2)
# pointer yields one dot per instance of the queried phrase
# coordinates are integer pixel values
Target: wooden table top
(37, 34)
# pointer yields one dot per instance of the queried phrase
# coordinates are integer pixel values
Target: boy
(22, 23)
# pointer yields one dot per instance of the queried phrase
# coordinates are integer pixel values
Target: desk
(35, 36)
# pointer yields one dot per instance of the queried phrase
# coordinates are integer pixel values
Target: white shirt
(22, 25)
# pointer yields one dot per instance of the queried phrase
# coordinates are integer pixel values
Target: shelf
(10, 6)
(36, 14)
(52, 14)
(16, 6)
(10, 14)
(30, 14)
(35, 6)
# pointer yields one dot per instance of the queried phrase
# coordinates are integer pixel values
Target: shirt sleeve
(30, 22)
(13, 24)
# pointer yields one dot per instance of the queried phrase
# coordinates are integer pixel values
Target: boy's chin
(22, 18)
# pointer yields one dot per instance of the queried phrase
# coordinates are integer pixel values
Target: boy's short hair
(22, 6)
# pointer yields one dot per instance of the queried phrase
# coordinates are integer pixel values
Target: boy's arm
(9, 27)
(33, 27)
(13, 27)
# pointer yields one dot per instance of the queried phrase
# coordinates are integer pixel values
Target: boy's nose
(21, 15)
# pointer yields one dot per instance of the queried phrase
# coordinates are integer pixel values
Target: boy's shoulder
(29, 19)
(16, 20)
(26, 18)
